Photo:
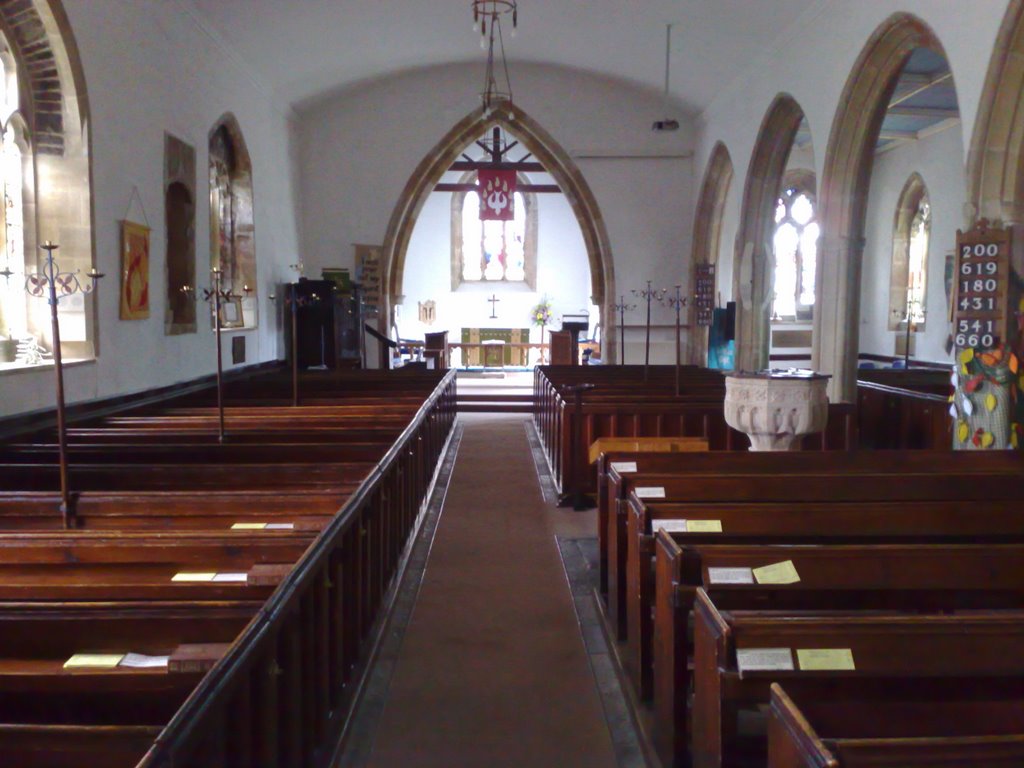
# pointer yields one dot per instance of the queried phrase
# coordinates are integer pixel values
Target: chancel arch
(232, 228)
(753, 274)
(555, 160)
(707, 225)
(856, 140)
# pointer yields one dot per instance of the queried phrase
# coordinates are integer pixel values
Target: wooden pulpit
(562, 348)
(436, 349)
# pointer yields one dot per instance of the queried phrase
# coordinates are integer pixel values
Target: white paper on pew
(624, 467)
(670, 526)
(231, 577)
(142, 661)
(764, 659)
(190, 576)
(249, 527)
(730, 576)
(280, 526)
(650, 493)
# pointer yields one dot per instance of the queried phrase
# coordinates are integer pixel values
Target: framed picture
(231, 314)
(134, 271)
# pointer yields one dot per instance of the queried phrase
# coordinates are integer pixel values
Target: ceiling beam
(941, 113)
(910, 86)
(485, 165)
(535, 188)
(893, 135)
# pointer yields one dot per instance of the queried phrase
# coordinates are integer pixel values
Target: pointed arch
(707, 225)
(845, 183)
(557, 162)
(995, 171)
(752, 275)
(908, 206)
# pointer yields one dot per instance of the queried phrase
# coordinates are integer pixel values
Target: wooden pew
(894, 730)
(667, 472)
(972, 649)
(908, 577)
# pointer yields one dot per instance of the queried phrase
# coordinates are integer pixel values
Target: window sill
(492, 286)
(7, 369)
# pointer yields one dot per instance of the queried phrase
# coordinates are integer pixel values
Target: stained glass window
(493, 250)
(917, 266)
(796, 253)
(13, 152)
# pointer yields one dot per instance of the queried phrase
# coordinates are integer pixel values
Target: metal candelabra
(215, 296)
(55, 285)
(622, 308)
(910, 311)
(649, 295)
(678, 303)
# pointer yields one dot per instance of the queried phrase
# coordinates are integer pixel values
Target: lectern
(576, 324)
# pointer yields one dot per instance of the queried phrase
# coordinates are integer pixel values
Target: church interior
(511, 383)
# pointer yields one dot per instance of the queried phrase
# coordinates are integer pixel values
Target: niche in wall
(180, 219)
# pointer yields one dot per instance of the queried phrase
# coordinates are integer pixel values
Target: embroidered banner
(497, 194)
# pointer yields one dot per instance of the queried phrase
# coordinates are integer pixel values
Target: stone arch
(994, 166)
(707, 225)
(843, 194)
(752, 276)
(546, 151)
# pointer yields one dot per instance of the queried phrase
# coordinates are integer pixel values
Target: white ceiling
(306, 48)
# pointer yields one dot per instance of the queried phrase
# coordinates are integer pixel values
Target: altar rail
(283, 692)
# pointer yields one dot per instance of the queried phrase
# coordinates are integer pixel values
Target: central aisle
(492, 670)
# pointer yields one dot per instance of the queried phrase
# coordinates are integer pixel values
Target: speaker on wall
(730, 321)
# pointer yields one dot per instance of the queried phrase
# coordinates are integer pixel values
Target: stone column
(775, 408)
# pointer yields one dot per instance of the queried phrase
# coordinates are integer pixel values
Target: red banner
(497, 195)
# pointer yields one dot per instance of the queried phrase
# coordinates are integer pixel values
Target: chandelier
(487, 19)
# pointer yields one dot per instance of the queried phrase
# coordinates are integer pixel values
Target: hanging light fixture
(487, 20)
(668, 123)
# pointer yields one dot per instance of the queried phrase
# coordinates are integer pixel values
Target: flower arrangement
(542, 314)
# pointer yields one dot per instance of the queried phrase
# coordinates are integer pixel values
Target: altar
(514, 351)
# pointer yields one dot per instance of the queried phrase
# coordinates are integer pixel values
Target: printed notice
(280, 526)
(778, 573)
(142, 661)
(650, 493)
(230, 577)
(825, 659)
(194, 576)
(670, 526)
(703, 526)
(624, 467)
(730, 576)
(94, 661)
(764, 659)
(249, 526)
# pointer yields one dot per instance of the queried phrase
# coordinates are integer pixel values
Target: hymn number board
(980, 312)
(704, 292)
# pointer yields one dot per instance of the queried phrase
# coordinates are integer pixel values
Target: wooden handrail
(184, 731)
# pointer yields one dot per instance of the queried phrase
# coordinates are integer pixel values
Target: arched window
(232, 230)
(493, 251)
(796, 252)
(909, 282)
(42, 86)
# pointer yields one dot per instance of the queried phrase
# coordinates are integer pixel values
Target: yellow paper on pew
(825, 659)
(703, 526)
(189, 576)
(94, 661)
(777, 573)
(249, 527)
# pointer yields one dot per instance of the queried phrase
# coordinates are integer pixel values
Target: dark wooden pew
(895, 729)
(732, 669)
(906, 577)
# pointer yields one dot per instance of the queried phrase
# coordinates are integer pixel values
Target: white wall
(563, 272)
(359, 148)
(150, 68)
(935, 159)
(813, 63)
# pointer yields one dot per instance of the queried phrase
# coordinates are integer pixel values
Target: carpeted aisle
(492, 670)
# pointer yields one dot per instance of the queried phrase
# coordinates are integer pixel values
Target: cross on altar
(494, 306)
